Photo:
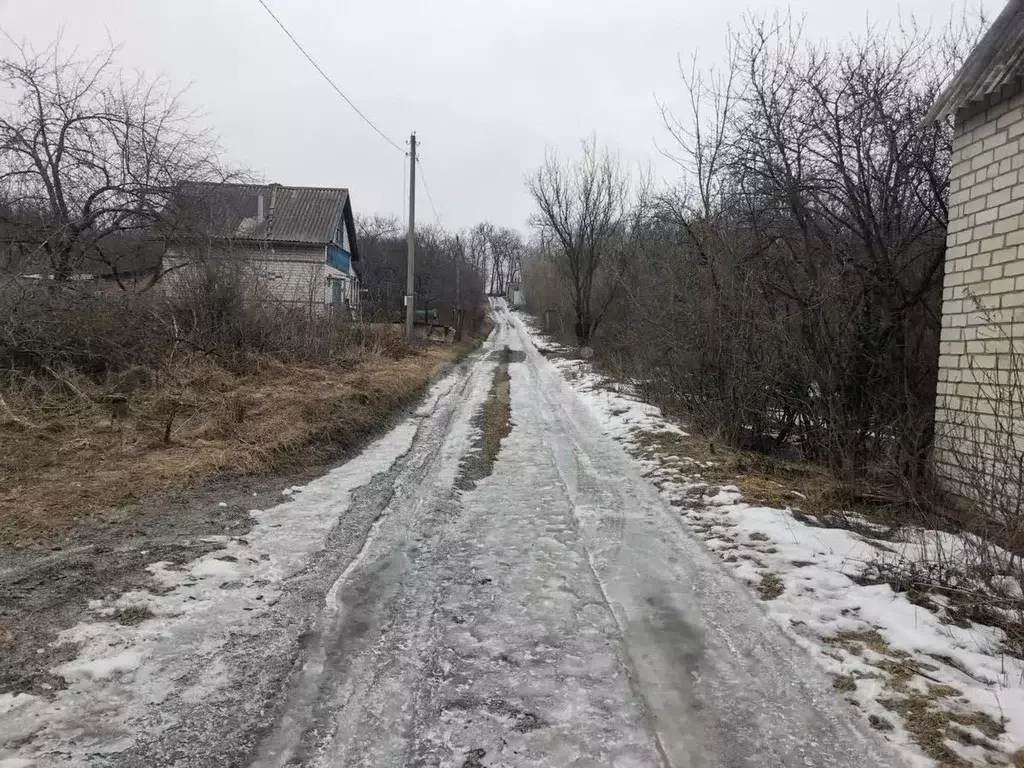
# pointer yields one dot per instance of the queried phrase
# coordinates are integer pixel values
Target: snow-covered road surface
(556, 614)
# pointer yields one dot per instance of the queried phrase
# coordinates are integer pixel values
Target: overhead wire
(367, 120)
(327, 77)
(426, 188)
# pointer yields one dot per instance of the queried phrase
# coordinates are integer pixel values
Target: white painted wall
(978, 407)
(291, 274)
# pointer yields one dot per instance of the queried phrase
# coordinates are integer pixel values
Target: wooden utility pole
(410, 267)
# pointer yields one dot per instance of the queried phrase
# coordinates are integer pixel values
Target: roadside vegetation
(783, 300)
(141, 421)
(107, 399)
(782, 303)
(113, 387)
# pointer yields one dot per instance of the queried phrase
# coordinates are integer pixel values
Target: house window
(337, 292)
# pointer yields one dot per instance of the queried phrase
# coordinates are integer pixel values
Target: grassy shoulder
(74, 450)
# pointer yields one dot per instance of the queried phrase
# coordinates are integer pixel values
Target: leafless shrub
(786, 296)
(965, 555)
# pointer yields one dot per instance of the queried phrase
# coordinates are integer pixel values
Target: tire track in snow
(314, 693)
(724, 687)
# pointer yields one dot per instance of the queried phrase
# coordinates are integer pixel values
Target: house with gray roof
(979, 419)
(299, 241)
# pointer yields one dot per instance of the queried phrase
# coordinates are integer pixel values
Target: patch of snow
(209, 566)
(726, 495)
(11, 701)
(1008, 586)
(166, 574)
(99, 668)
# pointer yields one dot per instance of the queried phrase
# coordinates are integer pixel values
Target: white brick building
(979, 424)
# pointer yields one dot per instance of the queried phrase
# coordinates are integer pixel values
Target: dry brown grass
(497, 412)
(933, 726)
(844, 683)
(856, 641)
(931, 716)
(771, 586)
(776, 482)
(80, 453)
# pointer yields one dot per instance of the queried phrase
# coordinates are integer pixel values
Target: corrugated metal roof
(996, 62)
(290, 214)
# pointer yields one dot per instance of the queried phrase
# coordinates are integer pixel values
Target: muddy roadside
(491, 424)
(47, 583)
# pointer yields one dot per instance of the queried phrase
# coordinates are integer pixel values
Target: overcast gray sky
(487, 84)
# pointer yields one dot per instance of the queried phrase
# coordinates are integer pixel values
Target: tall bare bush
(584, 218)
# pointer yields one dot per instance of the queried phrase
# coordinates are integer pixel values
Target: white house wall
(292, 275)
(981, 377)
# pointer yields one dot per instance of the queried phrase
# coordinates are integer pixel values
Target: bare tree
(785, 296)
(584, 208)
(507, 249)
(88, 153)
(449, 275)
(479, 250)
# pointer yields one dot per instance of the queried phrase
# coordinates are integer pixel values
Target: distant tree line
(454, 270)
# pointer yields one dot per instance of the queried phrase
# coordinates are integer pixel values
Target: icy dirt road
(556, 615)
(553, 613)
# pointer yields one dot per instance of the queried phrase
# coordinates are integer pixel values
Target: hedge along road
(537, 606)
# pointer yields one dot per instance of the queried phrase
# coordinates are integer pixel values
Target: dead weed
(933, 726)
(771, 586)
(88, 454)
(931, 716)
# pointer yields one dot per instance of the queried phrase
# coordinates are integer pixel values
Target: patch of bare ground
(771, 586)
(815, 494)
(494, 423)
(89, 496)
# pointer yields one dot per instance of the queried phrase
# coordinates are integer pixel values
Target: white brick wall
(293, 275)
(979, 396)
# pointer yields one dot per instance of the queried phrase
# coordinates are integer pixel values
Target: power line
(426, 188)
(328, 78)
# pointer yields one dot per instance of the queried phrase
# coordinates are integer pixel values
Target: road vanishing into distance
(468, 603)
